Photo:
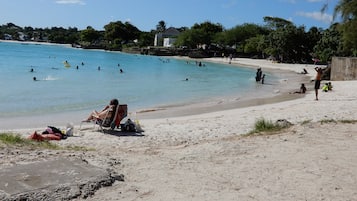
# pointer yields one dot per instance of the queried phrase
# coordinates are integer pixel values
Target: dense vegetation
(278, 38)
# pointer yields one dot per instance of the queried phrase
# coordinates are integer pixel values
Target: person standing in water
(258, 75)
(263, 77)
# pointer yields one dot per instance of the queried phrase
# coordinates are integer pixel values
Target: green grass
(9, 138)
(305, 122)
(344, 121)
(326, 121)
(12, 139)
(78, 148)
(265, 126)
(348, 121)
(17, 140)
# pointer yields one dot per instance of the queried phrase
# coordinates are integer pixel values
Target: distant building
(167, 38)
(7, 37)
(168, 42)
(22, 36)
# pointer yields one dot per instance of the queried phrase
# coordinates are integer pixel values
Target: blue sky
(145, 14)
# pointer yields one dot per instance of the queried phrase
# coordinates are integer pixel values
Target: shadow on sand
(120, 133)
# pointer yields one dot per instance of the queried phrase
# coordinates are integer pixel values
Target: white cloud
(319, 16)
(288, 1)
(313, 1)
(80, 2)
(229, 4)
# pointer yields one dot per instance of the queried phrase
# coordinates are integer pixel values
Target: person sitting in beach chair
(110, 116)
(107, 111)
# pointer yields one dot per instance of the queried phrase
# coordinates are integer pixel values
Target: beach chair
(112, 119)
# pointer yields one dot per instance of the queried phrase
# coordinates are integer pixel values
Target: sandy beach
(201, 154)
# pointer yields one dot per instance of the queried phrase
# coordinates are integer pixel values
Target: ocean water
(146, 81)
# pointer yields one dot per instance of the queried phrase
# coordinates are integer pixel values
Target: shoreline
(35, 43)
(290, 82)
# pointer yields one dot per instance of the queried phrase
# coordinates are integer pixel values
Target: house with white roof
(167, 38)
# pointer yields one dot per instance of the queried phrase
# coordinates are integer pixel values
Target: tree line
(277, 38)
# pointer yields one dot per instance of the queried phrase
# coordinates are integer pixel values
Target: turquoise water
(147, 81)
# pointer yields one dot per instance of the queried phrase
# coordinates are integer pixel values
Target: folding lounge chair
(112, 119)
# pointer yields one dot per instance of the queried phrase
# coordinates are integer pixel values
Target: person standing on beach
(318, 81)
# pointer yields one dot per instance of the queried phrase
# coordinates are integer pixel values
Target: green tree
(348, 11)
(312, 37)
(191, 38)
(255, 46)
(288, 44)
(329, 45)
(208, 27)
(239, 35)
(161, 27)
(29, 31)
(121, 31)
(132, 32)
(57, 35)
(89, 35)
(276, 22)
(72, 35)
(146, 39)
(62, 35)
(199, 34)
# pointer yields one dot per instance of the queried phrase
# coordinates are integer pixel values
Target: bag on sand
(51, 130)
(69, 129)
(54, 130)
(128, 126)
(138, 126)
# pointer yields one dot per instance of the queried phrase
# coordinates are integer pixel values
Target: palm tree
(161, 26)
(347, 9)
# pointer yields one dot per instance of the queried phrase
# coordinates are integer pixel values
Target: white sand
(204, 157)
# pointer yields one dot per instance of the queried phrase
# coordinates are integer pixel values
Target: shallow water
(147, 81)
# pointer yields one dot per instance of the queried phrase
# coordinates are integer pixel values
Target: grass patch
(17, 140)
(9, 138)
(326, 121)
(306, 122)
(348, 121)
(12, 139)
(345, 121)
(78, 148)
(265, 126)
